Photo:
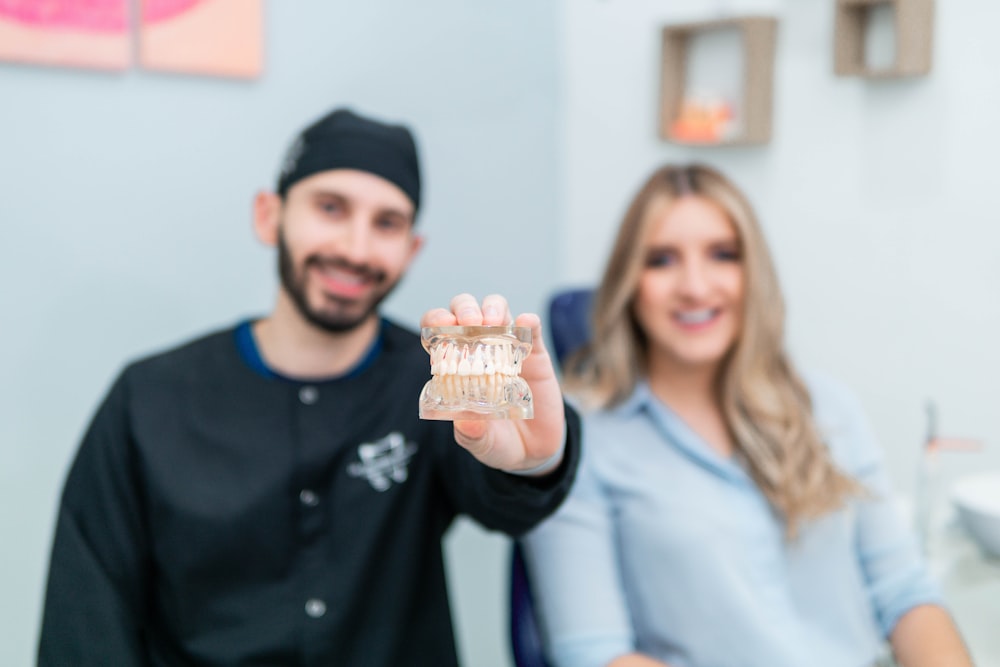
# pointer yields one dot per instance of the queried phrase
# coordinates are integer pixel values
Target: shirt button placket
(308, 395)
(315, 607)
(308, 498)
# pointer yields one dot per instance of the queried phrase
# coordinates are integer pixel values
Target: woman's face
(689, 300)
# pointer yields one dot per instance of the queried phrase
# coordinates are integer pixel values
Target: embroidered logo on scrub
(383, 461)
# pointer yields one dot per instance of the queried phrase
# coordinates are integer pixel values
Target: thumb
(472, 434)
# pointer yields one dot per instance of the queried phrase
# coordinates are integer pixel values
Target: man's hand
(510, 444)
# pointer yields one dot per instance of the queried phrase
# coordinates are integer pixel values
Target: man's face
(345, 238)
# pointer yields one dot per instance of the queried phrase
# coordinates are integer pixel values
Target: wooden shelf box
(758, 34)
(913, 22)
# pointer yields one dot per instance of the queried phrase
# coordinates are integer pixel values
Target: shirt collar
(250, 353)
(676, 433)
(638, 401)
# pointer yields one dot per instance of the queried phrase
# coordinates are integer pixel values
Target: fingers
(468, 312)
(496, 311)
(534, 322)
(439, 317)
(471, 435)
(465, 310)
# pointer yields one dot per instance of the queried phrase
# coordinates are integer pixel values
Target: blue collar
(250, 353)
(676, 431)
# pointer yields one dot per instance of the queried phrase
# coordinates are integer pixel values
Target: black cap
(345, 140)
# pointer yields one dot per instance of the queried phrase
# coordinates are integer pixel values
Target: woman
(728, 511)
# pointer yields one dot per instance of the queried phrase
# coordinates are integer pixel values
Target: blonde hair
(765, 403)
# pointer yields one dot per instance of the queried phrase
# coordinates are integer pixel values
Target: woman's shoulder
(841, 419)
(617, 433)
(829, 394)
(602, 418)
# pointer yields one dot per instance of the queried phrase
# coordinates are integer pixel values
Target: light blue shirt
(666, 548)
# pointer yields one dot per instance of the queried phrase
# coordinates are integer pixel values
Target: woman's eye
(727, 255)
(658, 259)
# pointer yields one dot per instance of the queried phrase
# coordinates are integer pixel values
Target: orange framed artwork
(70, 33)
(214, 37)
(209, 37)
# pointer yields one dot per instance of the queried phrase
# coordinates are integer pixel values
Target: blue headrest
(569, 321)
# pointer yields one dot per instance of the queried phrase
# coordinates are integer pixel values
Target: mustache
(365, 271)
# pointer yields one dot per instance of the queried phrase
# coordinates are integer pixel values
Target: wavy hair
(764, 402)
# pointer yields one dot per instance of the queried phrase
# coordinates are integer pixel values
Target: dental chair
(569, 329)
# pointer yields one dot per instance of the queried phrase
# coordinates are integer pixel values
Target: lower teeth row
(487, 388)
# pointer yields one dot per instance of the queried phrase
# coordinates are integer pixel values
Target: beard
(336, 315)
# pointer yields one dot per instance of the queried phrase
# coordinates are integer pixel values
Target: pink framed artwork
(71, 33)
(213, 37)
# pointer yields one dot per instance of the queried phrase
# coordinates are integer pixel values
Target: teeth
(452, 359)
(696, 316)
(473, 372)
(343, 276)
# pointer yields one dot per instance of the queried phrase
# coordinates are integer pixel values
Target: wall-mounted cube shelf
(913, 23)
(758, 35)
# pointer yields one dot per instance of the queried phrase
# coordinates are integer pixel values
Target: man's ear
(417, 243)
(266, 217)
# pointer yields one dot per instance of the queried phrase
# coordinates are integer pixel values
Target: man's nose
(355, 243)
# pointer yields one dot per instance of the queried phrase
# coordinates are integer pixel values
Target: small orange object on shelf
(687, 119)
(703, 122)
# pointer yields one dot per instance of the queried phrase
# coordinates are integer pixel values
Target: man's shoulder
(396, 332)
(401, 342)
(201, 351)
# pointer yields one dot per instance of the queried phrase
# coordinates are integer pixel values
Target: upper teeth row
(696, 316)
(453, 359)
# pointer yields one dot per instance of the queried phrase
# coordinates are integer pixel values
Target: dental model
(475, 373)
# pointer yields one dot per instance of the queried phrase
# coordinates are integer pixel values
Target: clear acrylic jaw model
(475, 373)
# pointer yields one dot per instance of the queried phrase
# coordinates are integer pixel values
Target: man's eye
(389, 224)
(331, 207)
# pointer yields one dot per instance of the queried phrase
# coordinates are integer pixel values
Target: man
(229, 503)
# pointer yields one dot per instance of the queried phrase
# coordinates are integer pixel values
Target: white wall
(879, 199)
(125, 227)
(124, 215)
